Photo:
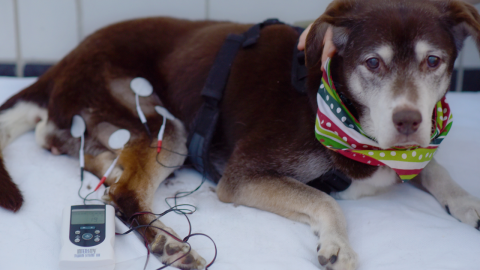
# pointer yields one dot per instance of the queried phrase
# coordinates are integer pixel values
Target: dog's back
(175, 57)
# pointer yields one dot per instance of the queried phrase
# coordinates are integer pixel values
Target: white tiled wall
(48, 29)
(253, 11)
(471, 57)
(98, 13)
(7, 31)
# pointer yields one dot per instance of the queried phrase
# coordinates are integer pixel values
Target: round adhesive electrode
(164, 112)
(119, 138)
(141, 87)
(78, 126)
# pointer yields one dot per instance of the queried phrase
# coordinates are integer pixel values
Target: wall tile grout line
(79, 14)
(18, 47)
(207, 9)
(460, 71)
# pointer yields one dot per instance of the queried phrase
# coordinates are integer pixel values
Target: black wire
(182, 194)
(148, 131)
(171, 151)
(90, 200)
(184, 240)
(165, 166)
(175, 208)
(215, 246)
(81, 185)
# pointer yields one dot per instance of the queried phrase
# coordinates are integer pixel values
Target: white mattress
(403, 228)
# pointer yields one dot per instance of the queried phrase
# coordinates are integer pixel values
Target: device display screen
(88, 216)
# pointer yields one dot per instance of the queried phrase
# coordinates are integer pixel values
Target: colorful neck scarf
(338, 130)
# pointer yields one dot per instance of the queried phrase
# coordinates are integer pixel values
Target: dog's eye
(433, 61)
(373, 63)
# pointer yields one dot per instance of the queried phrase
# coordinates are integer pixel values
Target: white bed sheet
(403, 228)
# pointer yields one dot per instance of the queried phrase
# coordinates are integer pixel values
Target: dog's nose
(407, 121)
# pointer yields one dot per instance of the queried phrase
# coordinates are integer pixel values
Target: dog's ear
(463, 19)
(335, 16)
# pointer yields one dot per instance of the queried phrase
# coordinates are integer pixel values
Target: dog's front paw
(170, 250)
(466, 209)
(334, 253)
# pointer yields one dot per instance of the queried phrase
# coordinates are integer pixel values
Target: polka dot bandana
(339, 131)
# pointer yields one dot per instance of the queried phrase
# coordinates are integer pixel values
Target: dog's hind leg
(133, 192)
(292, 199)
(15, 121)
(19, 114)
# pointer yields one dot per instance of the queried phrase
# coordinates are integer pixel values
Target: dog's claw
(333, 259)
(322, 260)
(159, 245)
(172, 250)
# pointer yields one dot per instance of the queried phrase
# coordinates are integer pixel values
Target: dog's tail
(18, 115)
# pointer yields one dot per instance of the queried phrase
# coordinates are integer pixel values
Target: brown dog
(392, 56)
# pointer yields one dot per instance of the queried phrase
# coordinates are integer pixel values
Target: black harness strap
(299, 70)
(204, 125)
(331, 181)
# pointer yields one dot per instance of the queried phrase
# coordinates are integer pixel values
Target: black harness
(203, 127)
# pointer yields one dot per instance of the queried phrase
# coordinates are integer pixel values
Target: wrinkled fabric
(403, 228)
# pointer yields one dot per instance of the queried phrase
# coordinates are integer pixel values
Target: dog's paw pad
(336, 254)
(158, 245)
(170, 250)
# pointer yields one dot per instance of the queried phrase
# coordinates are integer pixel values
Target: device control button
(96, 239)
(87, 236)
(77, 232)
(77, 240)
(97, 232)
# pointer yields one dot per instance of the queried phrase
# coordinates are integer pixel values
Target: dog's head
(395, 58)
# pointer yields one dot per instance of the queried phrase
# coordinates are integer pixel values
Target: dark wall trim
(471, 80)
(7, 70)
(35, 70)
(471, 77)
(453, 82)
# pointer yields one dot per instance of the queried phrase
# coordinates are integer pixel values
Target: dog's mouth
(407, 145)
(406, 141)
(410, 141)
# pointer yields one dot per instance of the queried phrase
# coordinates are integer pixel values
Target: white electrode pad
(88, 236)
